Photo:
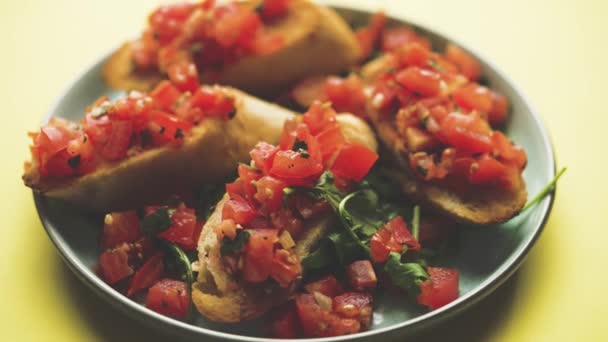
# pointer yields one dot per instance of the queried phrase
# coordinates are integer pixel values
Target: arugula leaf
(346, 248)
(416, 222)
(360, 209)
(322, 257)
(232, 246)
(326, 189)
(156, 222)
(180, 262)
(407, 276)
(545, 191)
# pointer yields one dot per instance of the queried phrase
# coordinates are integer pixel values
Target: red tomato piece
(259, 254)
(420, 81)
(500, 106)
(170, 298)
(330, 140)
(395, 38)
(183, 229)
(474, 97)
(466, 63)
(355, 305)
(285, 267)
(296, 168)
(270, 193)
(415, 54)
(249, 176)
(466, 132)
(120, 227)
(114, 264)
(147, 275)
(441, 289)
(318, 321)
(118, 142)
(401, 233)
(361, 275)
(286, 323)
(263, 156)
(391, 238)
(327, 285)
(369, 35)
(267, 43)
(167, 21)
(346, 95)
(165, 95)
(318, 118)
(308, 207)
(507, 152)
(487, 170)
(353, 162)
(239, 210)
(184, 76)
(273, 9)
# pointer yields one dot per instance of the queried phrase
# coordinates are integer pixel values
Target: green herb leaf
(346, 247)
(360, 210)
(416, 222)
(407, 276)
(320, 258)
(326, 189)
(156, 222)
(233, 246)
(180, 261)
(545, 191)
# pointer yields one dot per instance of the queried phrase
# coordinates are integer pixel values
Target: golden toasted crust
(474, 205)
(218, 295)
(317, 41)
(208, 154)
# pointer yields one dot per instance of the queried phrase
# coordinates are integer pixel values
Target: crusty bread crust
(207, 155)
(475, 205)
(317, 41)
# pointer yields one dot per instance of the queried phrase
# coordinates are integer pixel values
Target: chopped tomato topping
(327, 285)
(239, 210)
(466, 63)
(441, 289)
(120, 227)
(396, 38)
(391, 238)
(170, 298)
(346, 95)
(147, 275)
(114, 264)
(420, 81)
(354, 162)
(361, 275)
(370, 35)
(184, 230)
(272, 9)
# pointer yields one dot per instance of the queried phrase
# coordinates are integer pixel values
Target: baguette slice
(316, 41)
(220, 296)
(207, 155)
(473, 205)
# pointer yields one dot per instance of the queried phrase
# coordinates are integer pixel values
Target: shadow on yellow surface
(476, 324)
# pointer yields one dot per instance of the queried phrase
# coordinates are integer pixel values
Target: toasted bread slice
(476, 205)
(316, 41)
(220, 296)
(208, 154)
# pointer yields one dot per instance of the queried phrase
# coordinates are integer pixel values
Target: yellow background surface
(556, 51)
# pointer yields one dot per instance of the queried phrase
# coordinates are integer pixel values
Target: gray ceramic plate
(485, 257)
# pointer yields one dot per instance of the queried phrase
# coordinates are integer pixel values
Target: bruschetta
(257, 46)
(240, 277)
(136, 150)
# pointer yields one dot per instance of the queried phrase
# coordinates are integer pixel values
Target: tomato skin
(415, 54)
(263, 156)
(259, 254)
(327, 285)
(391, 238)
(396, 38)
(273, 9)
(286, 323)
(369, 35)
(318, 321)
(487, 170)
(353, 162)
(170, 298)
(500, 107)
(507, 152)
(284, 218)
(318, 118)
(249, 176)
(466, 63)
(356, 305)
(239, 210)
(285, 267)
(270, 193)
(474, 97)
(330, 140)
(294, 169)
(118, 141)
(120, 227)
(184, 76)
(361, 275)
(165, 95)
(184, 230)
(441, 289)
(147, 275)
(466, 132)
(420, 81)
(114, 264)
(346, 95)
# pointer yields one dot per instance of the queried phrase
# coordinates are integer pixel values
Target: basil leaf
(156, 222)
(233, 246)
(179, 262)
(407, 276)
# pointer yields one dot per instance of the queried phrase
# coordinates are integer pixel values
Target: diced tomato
(391, 238)
(165, 95)
(285, 267)
(267, 43)
(284, 218)
(300, 160)
(309, 90)
(318, 321)
(353, 162)
(441, 289)
(183, 230)
(355, 305)
(466, 132)
(208, 102)
(487, 170)
(114, 264)
(420, 81)
(327, 285)
(273, 9)
(167, 20)
(506, 151)
(184, 76)
(330, 140)
(346, 95)
(239, 210)
(500, 106)
(118, 142)
(308, 207)
(286, 323)
(474, 97)
(234, 27)
(395, 38)
(170, 298)
(415, 54)
(120, 227)
(259, 254)
(270, 193)
(361, 275)
(318, 118)
(147, 275)
(263, 156)
(466, 63)
(369, 35)
(249, 177)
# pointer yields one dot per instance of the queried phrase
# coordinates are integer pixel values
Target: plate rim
(462, 303)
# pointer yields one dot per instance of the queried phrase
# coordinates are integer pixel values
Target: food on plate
(257, 46)
(251, 246)
(116, 156)
(436, 120)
